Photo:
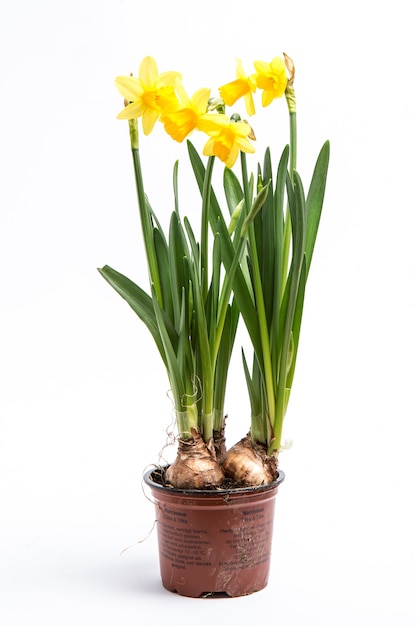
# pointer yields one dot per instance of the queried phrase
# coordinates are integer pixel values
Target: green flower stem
(204, 226)
(145, 217)
(292, 164)
(207, 358)
(260, 304)
(210, 349)
(205, 372)
(280, 405)
(293, 144)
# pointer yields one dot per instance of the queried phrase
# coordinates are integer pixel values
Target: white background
(83, 402)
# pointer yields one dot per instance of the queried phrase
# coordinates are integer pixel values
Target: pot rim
(210, 492)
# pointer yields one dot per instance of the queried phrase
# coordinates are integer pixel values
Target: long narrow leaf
(243, 296)
(184, 353)
(296, 328)
(252, 389)
(314, 202)
(146, 222)
(224, 355)
(298, 223)
(162, 257)
(232, 188)
(199, 173)
(279, 198)
(176, 377)
(178, 275)
(205, 351)
(175, 184)
(267, 217)
(138, 300)
(214, 289)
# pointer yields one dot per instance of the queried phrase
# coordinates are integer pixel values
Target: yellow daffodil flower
(243, 86)
(271, 78)
(227, 138)
(148, 95)
(181, 122)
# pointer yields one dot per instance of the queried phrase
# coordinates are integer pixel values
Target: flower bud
(235, 216)
(216, 104)
(289, 91)
(289, 64)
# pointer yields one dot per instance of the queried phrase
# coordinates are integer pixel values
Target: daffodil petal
(233, 91)
(212, 123)
(249, 104)
(245, 145)
(242, 128)
(129, 87)
(165, 98)
(180, 124)
(234, 153)
(208, 148)
(240, 73)
(267, 97)
(131, 111)
(261, 67)
(149, 119)
(200, 99)
(168, 79)
(183, 98)
(278, 65)
(148, 71)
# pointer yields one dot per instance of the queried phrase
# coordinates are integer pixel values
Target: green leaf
(147, 226)
(224, 355)
(205, 350)
(199, 173)
(184, 354)
(175, 183)
(232, 189)
(279, 198)
(298, 222)
(214, 289)
(296, 327)
(138, 300)
(156, 222)
(162, 257)
(297, 209)
(176, 376)
(242, 294)
(257, 205)
(268, 219)
(200, 304)
(178, 276)
(315, 198)
(252, 390)
(193, 244)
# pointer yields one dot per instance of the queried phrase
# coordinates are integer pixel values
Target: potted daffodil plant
(246, 262)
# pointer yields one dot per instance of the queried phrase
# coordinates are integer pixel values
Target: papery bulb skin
(195, 466)
(247, 463)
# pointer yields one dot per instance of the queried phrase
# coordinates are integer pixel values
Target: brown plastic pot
(214, 543)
